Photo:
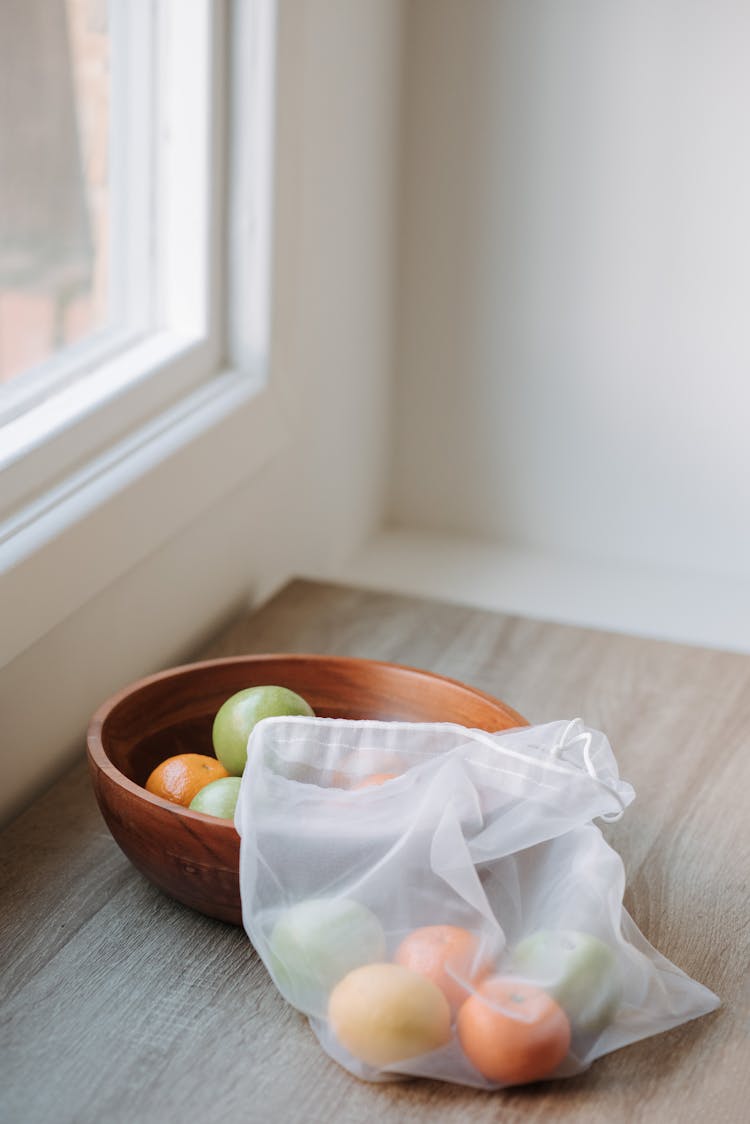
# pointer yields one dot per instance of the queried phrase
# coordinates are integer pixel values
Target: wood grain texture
(119, 1004)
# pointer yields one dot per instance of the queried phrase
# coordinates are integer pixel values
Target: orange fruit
(445, 954)
(383, 1013)
(375, 779)
(179, 778)
(513, 1032)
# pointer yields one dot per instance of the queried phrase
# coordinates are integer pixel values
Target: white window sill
(686, 608)
(61, 549)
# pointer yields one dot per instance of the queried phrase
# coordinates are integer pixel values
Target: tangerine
(375, 779)
(447, 955)
(513, 1032)
(179, 778)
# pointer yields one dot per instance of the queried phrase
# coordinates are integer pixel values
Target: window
(135, 150)
(56, 190)
(150, 228)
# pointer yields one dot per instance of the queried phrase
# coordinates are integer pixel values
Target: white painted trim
(252, 57)
(189, 181)
(688, 608)
(105, 472)
(93, 411)
(101, 520)
(134, 83)
(176, 340)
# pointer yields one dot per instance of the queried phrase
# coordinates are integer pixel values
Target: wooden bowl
(194, 857)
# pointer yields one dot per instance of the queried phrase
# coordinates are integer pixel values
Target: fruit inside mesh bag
(461, 916)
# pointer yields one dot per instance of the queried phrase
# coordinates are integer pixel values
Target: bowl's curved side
(195, 858)
(195, 862)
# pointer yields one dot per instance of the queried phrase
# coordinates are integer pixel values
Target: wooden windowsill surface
(121, 1005)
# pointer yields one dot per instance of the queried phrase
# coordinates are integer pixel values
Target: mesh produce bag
(439, 902)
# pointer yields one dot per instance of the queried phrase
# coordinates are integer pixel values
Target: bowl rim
(99, 759)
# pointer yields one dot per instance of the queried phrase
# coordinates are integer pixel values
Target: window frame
(146, 417)
(100, 390)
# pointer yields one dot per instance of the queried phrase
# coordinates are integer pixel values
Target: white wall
(574, 336)
(312, 503)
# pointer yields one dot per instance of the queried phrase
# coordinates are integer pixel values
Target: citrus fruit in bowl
(237, 717)
(180, 778)
(217, 798)
(192, 856)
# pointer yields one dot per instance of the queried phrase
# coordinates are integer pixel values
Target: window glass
(54, 179)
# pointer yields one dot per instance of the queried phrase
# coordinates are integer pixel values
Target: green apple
(218, 798)
(238, 716)
(317, 942)
(576, 969)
